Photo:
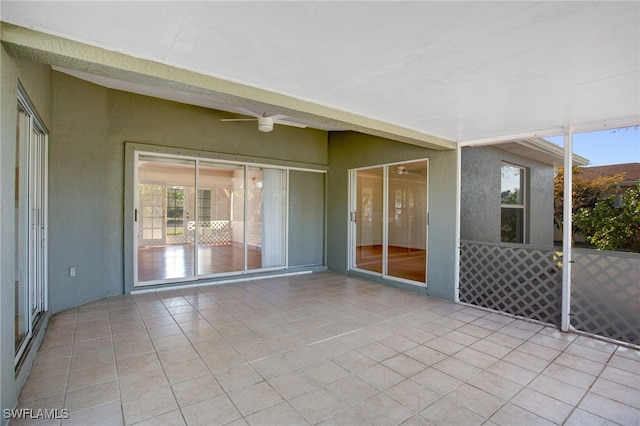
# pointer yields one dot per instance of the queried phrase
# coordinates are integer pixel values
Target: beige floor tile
(104, 415)
(177, 355)
(412, 395)
(437, 381)
(383, 410)
(617, 392)
(398, 343)
(377, 351)
(444, 345)
(173, 418)
(92, 359)
(280, 414)
(450, 411)
(569, 375)
(609, 409)
(539, 351)
(475, 358)
(317, 405)
(425, 355)
(134, 348)
(91, 376)
(325, 372)
(477, 400)
(495, 385)
(511, 414)
(620, 376)
(187, 370)
(92, 345)
(135, 384)
(351, 390)
(293, 384)
(530, 362)
(91, 396)
(543, 405)
(380, 377)
(222, 360)
(52, 367)
(139, 364)
(490, 348)
(404, 365)
(237, 377)
(357, 338)
(214, 411)
(144, 406)
(170, 342)
(557, 389)
(457, 368)
(196, 390)
(38, 388)
(254, 398)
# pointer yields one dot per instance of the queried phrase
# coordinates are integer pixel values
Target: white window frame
(523, 206)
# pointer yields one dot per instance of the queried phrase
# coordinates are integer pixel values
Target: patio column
(567, 230)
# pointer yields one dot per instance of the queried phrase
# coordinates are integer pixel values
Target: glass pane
(220, 237)
(511, 225)
(166, 221)
(369, 215)
(266, 202)
(407, 233)
(21, 232)
(511, 184)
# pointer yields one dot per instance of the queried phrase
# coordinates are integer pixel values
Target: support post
(567, 230)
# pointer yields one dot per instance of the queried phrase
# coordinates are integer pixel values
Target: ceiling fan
(402, 170)
(265, 122)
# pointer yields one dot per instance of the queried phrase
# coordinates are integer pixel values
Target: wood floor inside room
(403, 262)
(176, 261)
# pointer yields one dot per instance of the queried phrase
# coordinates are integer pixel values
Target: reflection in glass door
(220, 218)
(199, 218)
(166, 233)
(389, 220)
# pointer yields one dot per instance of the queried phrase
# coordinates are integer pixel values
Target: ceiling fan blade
(248, 112)
(290, 123)
(238, 119)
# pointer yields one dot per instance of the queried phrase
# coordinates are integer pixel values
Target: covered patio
(321, 348)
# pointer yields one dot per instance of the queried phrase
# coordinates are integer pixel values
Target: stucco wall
(348, 150)
(36, 80)
(480, 195)
(88, 183)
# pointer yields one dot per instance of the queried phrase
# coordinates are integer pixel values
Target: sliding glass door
(30, 224)
(389, 221)
(197, 218)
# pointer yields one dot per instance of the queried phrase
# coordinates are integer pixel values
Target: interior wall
(348, 150)
(36, 80)
(480, 195)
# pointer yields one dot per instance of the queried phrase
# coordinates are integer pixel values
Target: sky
(606, 147)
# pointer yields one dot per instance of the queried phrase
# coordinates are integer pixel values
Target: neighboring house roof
(630, 170)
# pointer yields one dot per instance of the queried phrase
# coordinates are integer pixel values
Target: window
(513, 211)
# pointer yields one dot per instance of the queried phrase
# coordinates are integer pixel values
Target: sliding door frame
(197, 160)
(353, 214)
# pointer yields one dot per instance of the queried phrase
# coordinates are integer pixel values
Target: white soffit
(458, 70)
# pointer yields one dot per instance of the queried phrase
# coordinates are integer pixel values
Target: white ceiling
(462, 71)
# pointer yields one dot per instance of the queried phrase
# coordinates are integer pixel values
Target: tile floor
(321, 349)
